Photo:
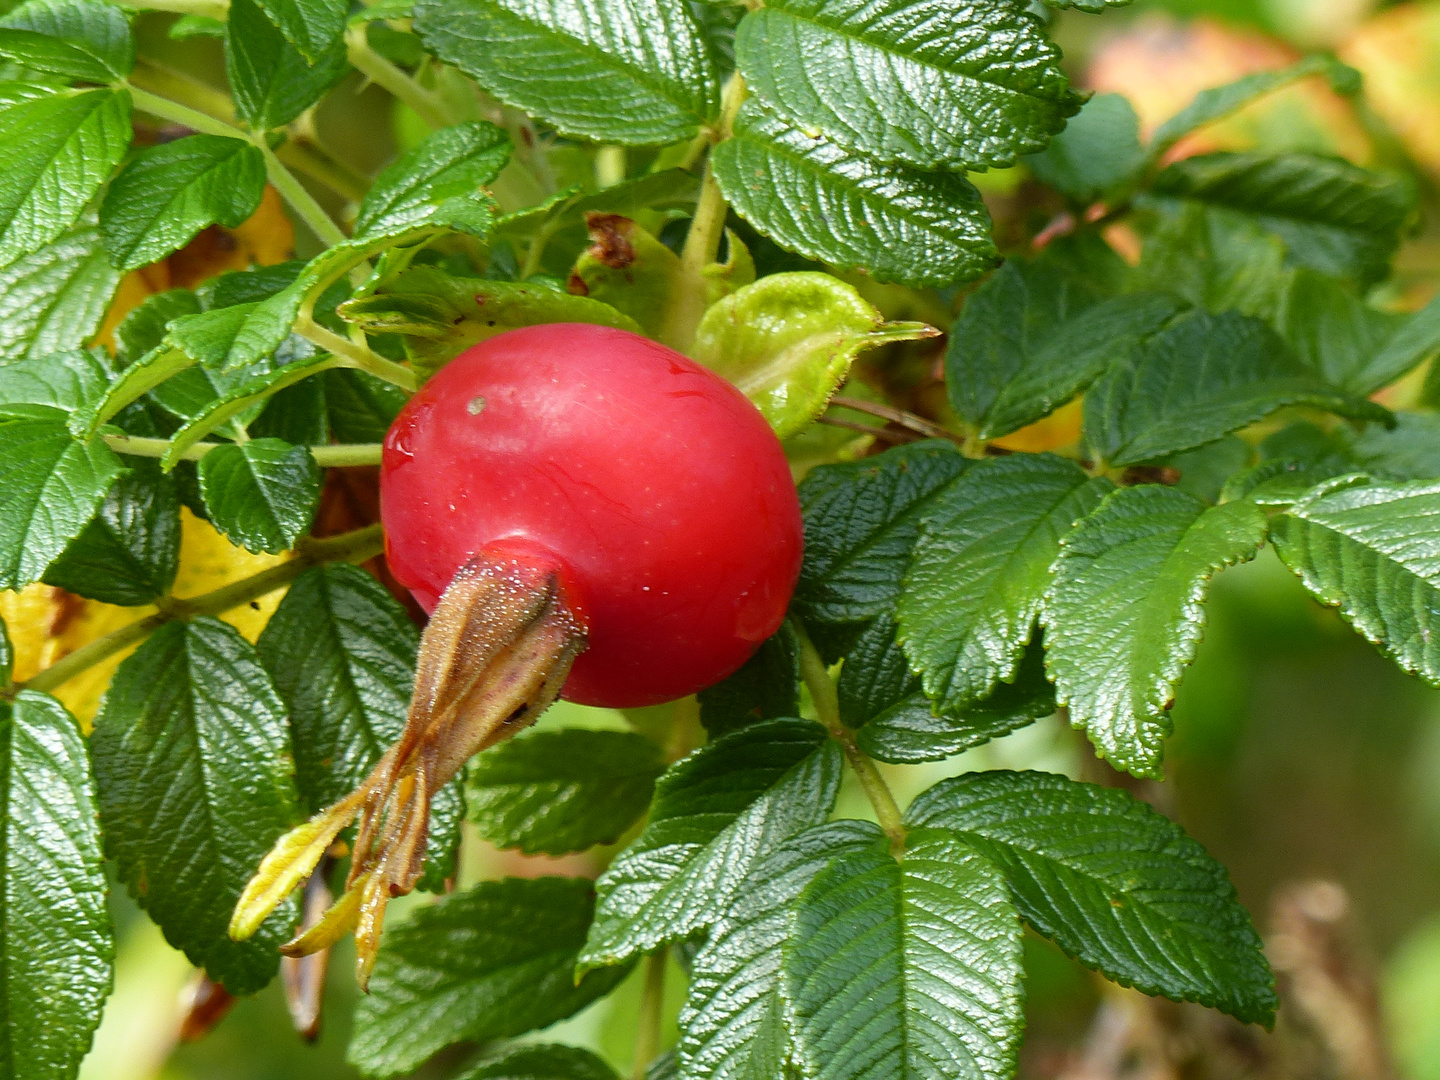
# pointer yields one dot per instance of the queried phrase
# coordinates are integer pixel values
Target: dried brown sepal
(304, 977)
(494, 656)
(205, 1003)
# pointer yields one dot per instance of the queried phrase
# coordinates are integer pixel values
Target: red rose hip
(657, 487)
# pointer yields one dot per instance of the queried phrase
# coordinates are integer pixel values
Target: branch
(356, 356)
(898, 416)
(382, 72)
(336, 456)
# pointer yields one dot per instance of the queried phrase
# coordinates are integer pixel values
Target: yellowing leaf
(787, 341)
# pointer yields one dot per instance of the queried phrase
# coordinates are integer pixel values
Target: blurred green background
(1299, 755)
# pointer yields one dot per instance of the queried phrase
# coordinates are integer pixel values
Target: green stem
(827, 708)
(652, 1008)
(352, 547)
(357, 356)
(193, 119)
(383, 73)
(702, 242)
(609, 166)
(338, 456)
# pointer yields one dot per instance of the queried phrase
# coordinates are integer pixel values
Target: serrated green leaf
(133, 383)
(906, 968)
(235, 337)
(981, 567)
(715, 813)
(766, 687)
(1125, 612)
(1200, 378)
(1410, 452)
(1215, 259)
(916, 81)
(440, 315)
(849, 210)
(555, 792)
(342, 651)
(53, 299)
(314, 27)
(144, 328)
(645, 60)
(262, 494)
(1098, 152)
(731, 1026)
(63, 380)
(861, 521)
(787, 342)
(1370, 550)
(56, 946)
(53, 486)
(168, 193)
(234, 402)
(360, 407)
(271, 81)
(1221, 101)
(1333, 216)
(898, 723)
(1353, 345)
(441, 181)
(78, 39)
(1113, 883)
(55, 152)
(129, 551)
(192, 767)
(541, 1061)
(494, 961)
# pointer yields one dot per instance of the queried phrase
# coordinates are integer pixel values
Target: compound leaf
(715, 813)
(1125, 612)
(192, 766)
(1113, 883)
(555, 792)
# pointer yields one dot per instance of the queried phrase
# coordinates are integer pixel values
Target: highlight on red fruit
(656, 486)
(583, 512)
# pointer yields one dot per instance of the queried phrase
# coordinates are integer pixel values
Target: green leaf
(262, 494)
(1410, 452)
(129, 551)
(787, 342)
(1096, 155)
(192, 767)
(1369, 549)
(981, 568)
(766, 687)
(56, 946)
(1216, 259)
(861, 521)
(898, 723)
(1204, 471)
(494, 961)
(1221, 101)
(1125, 613)
(657, 85)
(53, 486)
(440, 182)
(1333, 216)
(715, 813)
(168, 193)
(906, 968)
(1198, 379)
(133, 383)
(1353, 345)
(144, 328)
(314, 27)
(540, 1061)
(232, 403)
(851, 211)
(53, 299)
(732, 1023)
(555, 792)
(63, 380)
(441, 315)
(55, 152)
(360, 407)
(271, 81)
(79, 39)
(1113, 883)
(341, 651)
(916, 81)
(193, 26)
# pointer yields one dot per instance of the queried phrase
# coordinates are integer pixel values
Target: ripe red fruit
(656, 487)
